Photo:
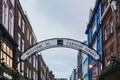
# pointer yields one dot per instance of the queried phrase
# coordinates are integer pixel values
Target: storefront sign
(59, 42)
(7, 76)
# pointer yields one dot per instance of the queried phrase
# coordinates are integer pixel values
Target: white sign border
(52, 43)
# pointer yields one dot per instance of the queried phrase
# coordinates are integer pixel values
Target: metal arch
(59, 42)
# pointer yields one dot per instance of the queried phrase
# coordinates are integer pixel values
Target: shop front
(6, 73)
(111, 72)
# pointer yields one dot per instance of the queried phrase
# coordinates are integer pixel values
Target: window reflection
(6, 54)
(4, 47)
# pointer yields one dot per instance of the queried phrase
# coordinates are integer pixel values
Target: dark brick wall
(17, 30)
(113, 41)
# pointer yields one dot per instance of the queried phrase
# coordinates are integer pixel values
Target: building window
(105, 5)
(33, 75)
(112, 53)
(34, 41)
(93, 28)
(27, 34)
(23, 45)
(98, 43)
(27, 72)
(105, 33)
(30, 60)
(1, 56)
(23, 26)
(107, 61)
(30, 39)
(6, 53)
(36, 64)
(5, 15)
(11, 23)
(94, 45)
(94, 73)
(12, 1)
(111, 26)
(18, 66)
(34, 61)
(22, 68)
(19, 20)
(36, 76)
(19, 41)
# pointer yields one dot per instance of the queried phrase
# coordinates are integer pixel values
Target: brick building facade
(111, 39)
(43, 71)
(79, 64)
(16, 36)
(8, 46)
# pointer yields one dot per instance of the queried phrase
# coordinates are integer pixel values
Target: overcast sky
(59, 19)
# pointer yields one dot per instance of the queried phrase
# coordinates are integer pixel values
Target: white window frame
(30, 60)
(22, 68)
(95, 45)
(23, 26)
(5, 14)
(19, 41)
(34, 61)
(36, 64)
(27, 72)
(23, 45)
(11, 23)
(107, 62)
(18, 66)
(105, 33)
(93, 28)
(111, 26)
(34, 75)
(19, 20)
(95, 72)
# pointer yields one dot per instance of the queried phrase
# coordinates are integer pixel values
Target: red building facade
(43, 71)
(16, 35)
(111, 39)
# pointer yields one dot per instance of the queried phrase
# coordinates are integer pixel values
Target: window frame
(111, 25)
(19, 41)
(19, 19)
(6, 54)
(5, 14)
(23, 26)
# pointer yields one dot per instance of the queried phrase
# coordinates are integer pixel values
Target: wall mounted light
(90, 66)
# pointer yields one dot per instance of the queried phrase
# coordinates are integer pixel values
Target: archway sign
(59, 42)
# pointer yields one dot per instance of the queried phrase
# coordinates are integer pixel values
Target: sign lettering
(59, 42)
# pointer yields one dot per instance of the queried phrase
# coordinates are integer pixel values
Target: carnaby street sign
(59, 42)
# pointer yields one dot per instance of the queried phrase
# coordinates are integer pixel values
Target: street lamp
(90, 66)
